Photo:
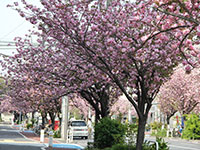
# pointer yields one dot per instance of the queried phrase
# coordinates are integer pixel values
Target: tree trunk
(168, 128)
(140, 133)
(97, 117)
(60, 121)
(52, 116)
(168, 119)
(32, 118)
(44, 118)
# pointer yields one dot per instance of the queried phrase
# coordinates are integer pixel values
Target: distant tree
(181, 93)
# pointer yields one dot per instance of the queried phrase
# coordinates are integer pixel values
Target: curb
(27, 137)
(65, 146)
(57, 145)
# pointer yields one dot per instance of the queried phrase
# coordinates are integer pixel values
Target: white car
(78, 128)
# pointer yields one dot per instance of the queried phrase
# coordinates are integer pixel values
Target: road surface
(180, 144)
(11, 139)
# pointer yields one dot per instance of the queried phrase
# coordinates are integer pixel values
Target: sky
(12, 25)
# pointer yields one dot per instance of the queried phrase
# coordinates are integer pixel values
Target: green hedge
(192, 127)
(146, 146)
(29, 125)
(159, 133)
(108, 132)
(57, 134)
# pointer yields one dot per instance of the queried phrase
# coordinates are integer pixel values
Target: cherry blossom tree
(98, 94)
(181, 93)
(126, 44)
(6, 105)
(122, 106)
(185, 10)
(31, 98)
(166, 106)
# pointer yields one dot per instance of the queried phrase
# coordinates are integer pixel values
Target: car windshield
(78, 123)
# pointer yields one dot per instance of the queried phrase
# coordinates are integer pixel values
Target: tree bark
(99, 103)
(44, 118)
(140, 133)
(168, 119)
(97, 117)
(32, 118)
(52, 116)
(60, 121)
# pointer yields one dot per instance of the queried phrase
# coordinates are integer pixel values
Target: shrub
(108, 132)
(159, 133)
(123, 147)
(33, 121)
(148, 127)
(29, 125)
(146, 146)
(156, 125)
(162, 144)
(57, 134)
(152, 146)
(131, 132)
(192, 127)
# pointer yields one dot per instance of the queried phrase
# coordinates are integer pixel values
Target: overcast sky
(12, 25)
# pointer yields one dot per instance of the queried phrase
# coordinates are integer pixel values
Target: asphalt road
(183, 145)
(18, 147)
(179, 144)
(11, 139)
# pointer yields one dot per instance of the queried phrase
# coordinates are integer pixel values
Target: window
(78, 123)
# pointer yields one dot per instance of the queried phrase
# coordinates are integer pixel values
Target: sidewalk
(31, 135)
(58, 144)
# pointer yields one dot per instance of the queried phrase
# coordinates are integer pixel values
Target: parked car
(78, 128)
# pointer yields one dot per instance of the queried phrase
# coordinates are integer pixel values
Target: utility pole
(89, 113)
(65, 118)
(129, 114)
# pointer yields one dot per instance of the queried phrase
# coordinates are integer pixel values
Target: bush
(29, 125)
(159, 133)
(57, 134)
(108, 132)
(162, 144)
(156, 125)
(148, 127)
(192, 127)
(123, 147)
(146, 146)
(131, 132)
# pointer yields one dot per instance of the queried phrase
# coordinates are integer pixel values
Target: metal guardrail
(70, 136)
(154, 142)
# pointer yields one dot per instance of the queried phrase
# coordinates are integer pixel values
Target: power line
(12, 30)
(4, 55)
(7, 45)
(6, 48)
(7, 42)
(11, 42)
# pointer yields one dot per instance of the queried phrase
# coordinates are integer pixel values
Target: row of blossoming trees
(103, 49)
(180, 94)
